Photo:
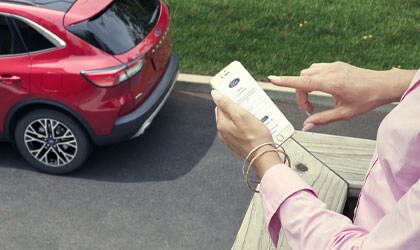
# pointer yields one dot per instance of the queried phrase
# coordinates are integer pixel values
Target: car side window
(33, 40)
(10, 42)
(5, 37)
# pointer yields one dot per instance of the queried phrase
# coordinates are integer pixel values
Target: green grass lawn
(283, 36)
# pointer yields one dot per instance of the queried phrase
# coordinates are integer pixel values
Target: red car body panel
(55, 75)
(21, 90)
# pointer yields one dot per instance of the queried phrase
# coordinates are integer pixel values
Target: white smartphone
(235, 82)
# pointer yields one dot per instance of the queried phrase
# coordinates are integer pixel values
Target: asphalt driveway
(176, 187)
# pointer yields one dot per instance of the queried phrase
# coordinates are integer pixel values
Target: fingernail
(216, 95)
(307, 112)
(274, 78)
(308, 126)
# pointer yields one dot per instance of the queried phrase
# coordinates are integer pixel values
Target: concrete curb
(201, 84)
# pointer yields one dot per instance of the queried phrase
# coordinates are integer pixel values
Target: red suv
(79, 73)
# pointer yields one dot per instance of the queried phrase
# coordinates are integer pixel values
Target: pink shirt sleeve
(289, 203)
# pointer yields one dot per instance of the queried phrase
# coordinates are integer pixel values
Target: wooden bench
(347, 159)
(347, 156)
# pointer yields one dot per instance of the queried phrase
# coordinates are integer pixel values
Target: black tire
(61, 153)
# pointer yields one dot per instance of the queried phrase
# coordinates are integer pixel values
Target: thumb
(325, 117)
(225, 104)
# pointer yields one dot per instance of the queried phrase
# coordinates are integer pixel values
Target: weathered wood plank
(331, 189)
(348, 157)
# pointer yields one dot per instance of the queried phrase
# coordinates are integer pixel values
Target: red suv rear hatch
(156, 51)
(134, 32)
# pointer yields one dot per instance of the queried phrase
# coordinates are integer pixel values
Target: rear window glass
(121, 26)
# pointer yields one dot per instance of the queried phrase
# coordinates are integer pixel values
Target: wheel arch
(20, 109)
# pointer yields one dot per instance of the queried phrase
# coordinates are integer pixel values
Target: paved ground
(176, 187)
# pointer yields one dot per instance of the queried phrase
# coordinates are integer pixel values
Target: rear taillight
(109, 77)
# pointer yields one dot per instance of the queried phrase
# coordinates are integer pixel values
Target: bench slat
(348, 157)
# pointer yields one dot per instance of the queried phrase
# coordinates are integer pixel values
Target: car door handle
(8, 79)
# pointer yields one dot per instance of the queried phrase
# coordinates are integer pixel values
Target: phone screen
(235, 82)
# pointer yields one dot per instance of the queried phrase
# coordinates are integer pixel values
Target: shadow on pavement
(177, 140)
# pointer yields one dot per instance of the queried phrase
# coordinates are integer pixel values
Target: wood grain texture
(348, 157)
(330, 187)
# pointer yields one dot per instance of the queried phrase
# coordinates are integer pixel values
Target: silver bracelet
(278, 148)
(275, 145)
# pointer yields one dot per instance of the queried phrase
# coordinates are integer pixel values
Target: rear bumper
(134, 123)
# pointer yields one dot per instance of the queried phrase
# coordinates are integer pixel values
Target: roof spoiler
(83, 10)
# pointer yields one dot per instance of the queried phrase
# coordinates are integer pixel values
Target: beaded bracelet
(277, 148)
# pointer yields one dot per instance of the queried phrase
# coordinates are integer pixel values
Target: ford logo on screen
(234, 82)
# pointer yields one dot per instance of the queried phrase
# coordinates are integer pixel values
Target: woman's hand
(355, 90)
(241, 132)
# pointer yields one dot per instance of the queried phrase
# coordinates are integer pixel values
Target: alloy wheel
(50, 142)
